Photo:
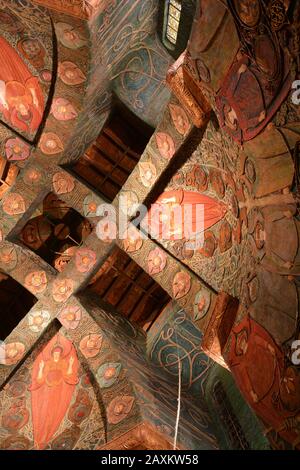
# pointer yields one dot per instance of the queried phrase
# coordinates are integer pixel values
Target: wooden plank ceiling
(107, 164)
(124, 285)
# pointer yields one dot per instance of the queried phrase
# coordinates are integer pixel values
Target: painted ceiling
(226, 135)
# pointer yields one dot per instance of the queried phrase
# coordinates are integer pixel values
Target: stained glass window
(173, 18)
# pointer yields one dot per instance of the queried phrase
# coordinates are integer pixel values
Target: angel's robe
(21, 96)
(52, 390)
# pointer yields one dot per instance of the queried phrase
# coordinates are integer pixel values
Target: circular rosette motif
(119, 408)
(50, 144)
(14, 204)
(70, 73)
(90, 345)
(32, 176)
(108, 373)
(85, 259)
(157, 260)
(36, 282)
(17, 388)
(62, 289)
(133, 240)
(11, 353)
(67, 439)
(181, 285)
(8, 257)
(15, 442)
(209, 245)
(181, 250)
(81, 409)
(128, 203)
(63, 183)
(16, 149)
(63, 110)
(165, 145)
(16, 417)
(90, 206)
(69, 36)
(38, 320)
(148, 173)
(46, 75)
(201, 304)
(70, 317)
(180, 119)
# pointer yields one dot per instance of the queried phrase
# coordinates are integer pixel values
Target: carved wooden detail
(219, 327)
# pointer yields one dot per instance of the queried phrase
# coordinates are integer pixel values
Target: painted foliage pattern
(242, 253)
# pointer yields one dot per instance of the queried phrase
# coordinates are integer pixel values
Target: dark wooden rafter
(134, 294)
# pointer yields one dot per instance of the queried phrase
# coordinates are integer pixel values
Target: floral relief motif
(63, 110)
(128, 202)
(201, 304)
(69, 36)
(90, 206)
(90, 345)
(133, 242)
(32, 176)
(148, 173)
(46, 75)
(38, 320)
(165, 145)
(62, 289)
(70, 317)
(16, 149)
(119, 408)
(108, 373)
(63, 183)
(181, 285)
(14, 204)
(8, 257)
(180, 119)
(85, 259)
(11, 353)
(81, 408)
(157, 260)
(36, 282)
(70, 73)
(50, 143)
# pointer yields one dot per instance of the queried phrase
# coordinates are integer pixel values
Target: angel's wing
(3, 101)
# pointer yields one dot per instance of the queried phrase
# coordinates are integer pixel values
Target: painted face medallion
(63, 183)
(62, 289)
(90, 345)
(181, 285)
(50, 144)
(70, 317)
(180, 119)
(70, 73)
(157, 260)
(63, 110)
(165, 145)
(201, 304)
